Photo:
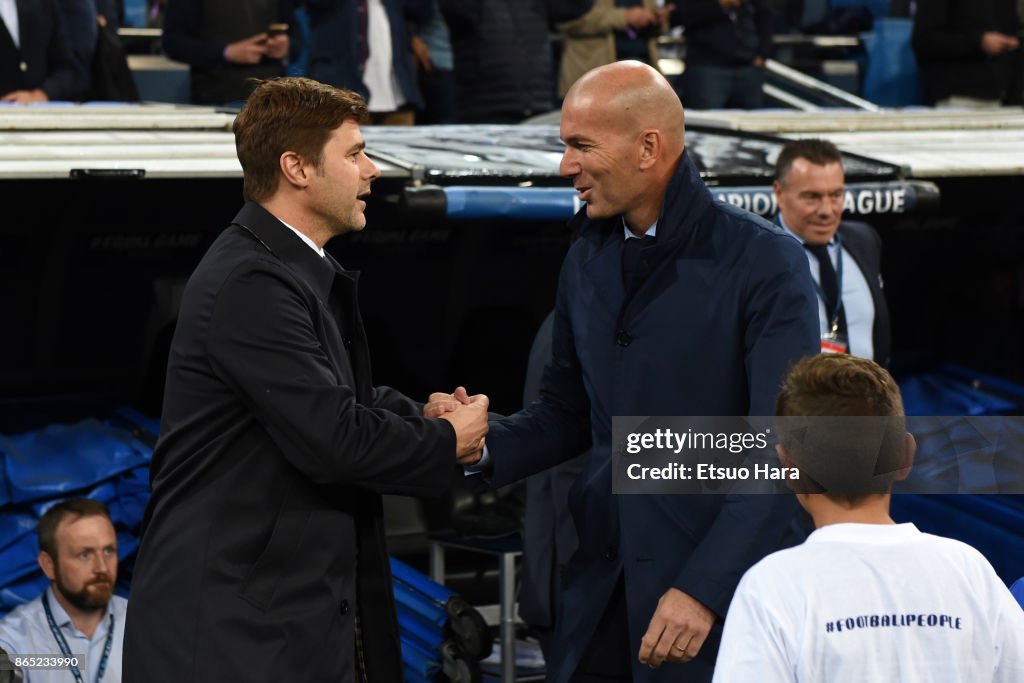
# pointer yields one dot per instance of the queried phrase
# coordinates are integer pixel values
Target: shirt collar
(62, 619)
(304, 238)
(865, 533)
(59, 615)
(782, 224)
(651, 231)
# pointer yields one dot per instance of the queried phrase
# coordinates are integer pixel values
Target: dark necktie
(830, 286)
(632, 257)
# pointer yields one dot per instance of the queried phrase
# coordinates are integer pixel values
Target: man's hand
(25, 96)
(677, 630)
(277, 46)
(729, 5)
(470, 423)
(421, 53)
(995, 43)
(248, 51)
(440, 403)
(462, 410)
(640, 17)
(662, 14)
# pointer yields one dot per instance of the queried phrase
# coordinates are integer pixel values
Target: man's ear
(776, 188)
(650, 148)
(907, 457)
(784, 456)
(294, 168)
(47, 565)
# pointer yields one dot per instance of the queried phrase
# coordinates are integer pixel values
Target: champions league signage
(561, 203)
(862, 199)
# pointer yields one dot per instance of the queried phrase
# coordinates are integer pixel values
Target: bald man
(670, 303)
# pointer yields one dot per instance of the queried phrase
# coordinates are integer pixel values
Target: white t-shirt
(872, 603)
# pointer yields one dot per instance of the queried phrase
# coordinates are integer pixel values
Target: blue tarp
(58, 460)
(1018, 591)
(994, 525)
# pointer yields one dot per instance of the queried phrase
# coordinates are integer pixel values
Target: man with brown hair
(864, 598)
(78, 615)
(263, 555)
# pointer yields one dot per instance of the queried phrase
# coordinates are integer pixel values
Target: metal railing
(817, 88)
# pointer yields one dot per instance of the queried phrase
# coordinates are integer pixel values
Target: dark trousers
(723, 87)
(438, 90)
(609, 656)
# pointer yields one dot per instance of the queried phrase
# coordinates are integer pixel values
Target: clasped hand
(468, 415)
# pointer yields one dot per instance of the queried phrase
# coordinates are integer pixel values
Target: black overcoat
(263, 554)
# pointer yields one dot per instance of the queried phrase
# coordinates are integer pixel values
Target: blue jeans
(723, 87)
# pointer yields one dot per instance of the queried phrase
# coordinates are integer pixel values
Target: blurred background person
(969, 52)
(503, 64)
(36, 62)
(226, 43)
(435, 66)
(84, 19)
(727, 43)
(610, 31)
(78, 614)
(365, 46)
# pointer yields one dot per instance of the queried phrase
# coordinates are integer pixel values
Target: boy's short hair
(842, 423)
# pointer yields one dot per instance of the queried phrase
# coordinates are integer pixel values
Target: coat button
(23, 66)
(343, 607)
(347, 341)
(610, 554)
(624, 338)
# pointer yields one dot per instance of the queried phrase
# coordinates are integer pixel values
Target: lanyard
(834, 322)
(62, 643)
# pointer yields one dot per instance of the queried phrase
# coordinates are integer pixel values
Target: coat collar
(686, 200)
(318, 272)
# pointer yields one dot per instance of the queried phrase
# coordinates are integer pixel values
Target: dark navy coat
(727, 306)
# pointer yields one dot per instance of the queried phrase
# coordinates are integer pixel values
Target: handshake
(468, 415)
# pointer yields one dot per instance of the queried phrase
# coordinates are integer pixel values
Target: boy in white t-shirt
(864, 598)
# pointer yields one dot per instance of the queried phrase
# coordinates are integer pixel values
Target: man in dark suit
(227, 44)
(669, 303)
(36, 64)
(844, 256)
(969, 52)
(262, 555)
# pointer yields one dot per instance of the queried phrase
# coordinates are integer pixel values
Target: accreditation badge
(834, 343)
